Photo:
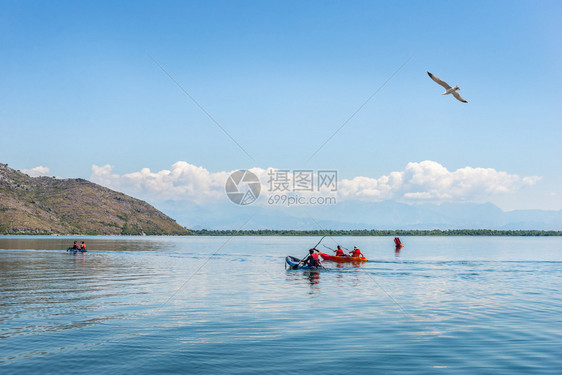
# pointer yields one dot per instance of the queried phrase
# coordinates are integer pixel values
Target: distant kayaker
(356, 253)
(339, 252)
(397, 242)
(312, 259)
(82, 246)
(75, 246)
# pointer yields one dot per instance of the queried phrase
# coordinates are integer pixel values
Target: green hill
(34, 205)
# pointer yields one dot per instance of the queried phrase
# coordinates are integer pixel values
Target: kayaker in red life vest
(339, 252)
(75, 246)
(312, 259)
(397, 242)
(83, 246)
(356, 252)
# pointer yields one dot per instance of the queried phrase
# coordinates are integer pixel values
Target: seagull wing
(436, 79)
(456, 95)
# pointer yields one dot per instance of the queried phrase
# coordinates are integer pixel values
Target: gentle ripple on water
(145, 305)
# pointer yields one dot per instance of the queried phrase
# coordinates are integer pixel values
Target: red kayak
(344, 259)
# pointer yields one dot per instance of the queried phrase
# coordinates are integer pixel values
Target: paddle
(349, 251)
(318, 242)
(302, 260)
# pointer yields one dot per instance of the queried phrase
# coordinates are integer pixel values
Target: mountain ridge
(47, 205)
(383, 215)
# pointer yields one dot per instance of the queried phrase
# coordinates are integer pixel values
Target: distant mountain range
(362, 215)
(74, 206)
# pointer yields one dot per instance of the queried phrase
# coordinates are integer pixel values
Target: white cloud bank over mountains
(430, 181)
(426, 181)
(183, 181)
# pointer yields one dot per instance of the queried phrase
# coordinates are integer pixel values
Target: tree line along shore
(377, 232)
(343, 233)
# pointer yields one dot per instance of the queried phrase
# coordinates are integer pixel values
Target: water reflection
(313, 277)
(345, 265)
(79, 258)
(309, 277)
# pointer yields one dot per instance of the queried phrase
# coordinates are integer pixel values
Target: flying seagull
(450, 90)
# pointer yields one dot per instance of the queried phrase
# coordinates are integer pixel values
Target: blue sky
(80, 88)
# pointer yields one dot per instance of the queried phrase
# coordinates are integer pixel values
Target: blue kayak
(74, 251)
(294, 263)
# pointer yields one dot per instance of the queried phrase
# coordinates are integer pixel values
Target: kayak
(294, 263)
(399, 246)
(344, 259)
(74, 251)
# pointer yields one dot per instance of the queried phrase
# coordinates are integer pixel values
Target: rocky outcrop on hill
(74, 206)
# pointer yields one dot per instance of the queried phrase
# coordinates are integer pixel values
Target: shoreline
(312, 233)
(381, 233)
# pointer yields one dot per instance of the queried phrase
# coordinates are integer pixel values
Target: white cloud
(183, 181)
(430, 181)
(423, 181)
(37, 171)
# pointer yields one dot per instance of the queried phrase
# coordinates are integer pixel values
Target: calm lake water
(219, 305)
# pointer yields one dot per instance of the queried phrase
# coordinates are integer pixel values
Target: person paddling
(74, 247)
(397, 242)
(339, 252)
(312, 259)
(356, 253)
(83, 246)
